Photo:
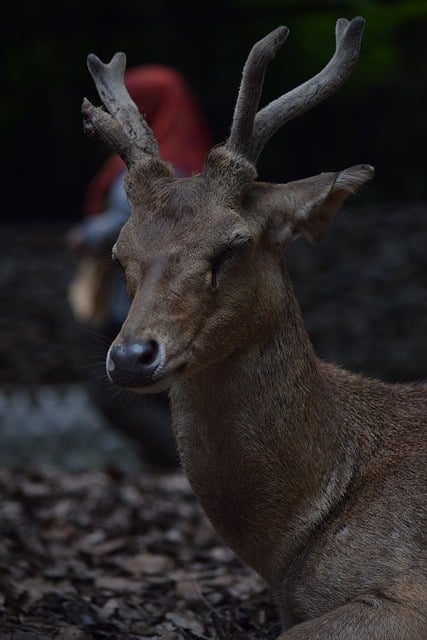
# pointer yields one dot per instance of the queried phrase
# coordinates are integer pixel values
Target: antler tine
(250, 90)
(125, 130)
(310, 93)
(97, 123)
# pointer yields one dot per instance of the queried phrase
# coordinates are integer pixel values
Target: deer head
(202, 256)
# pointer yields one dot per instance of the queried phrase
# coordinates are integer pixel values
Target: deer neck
(258, 444)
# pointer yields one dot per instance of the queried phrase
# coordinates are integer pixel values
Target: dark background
(379, 116)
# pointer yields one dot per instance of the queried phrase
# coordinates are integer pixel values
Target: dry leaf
(186, 621)
(145, 563)
(116, 583)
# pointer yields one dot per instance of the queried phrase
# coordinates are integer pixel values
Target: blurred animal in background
(98, 298)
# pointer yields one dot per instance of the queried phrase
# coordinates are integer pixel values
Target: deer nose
(132, 364)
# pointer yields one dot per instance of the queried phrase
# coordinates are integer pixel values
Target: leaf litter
(108, 555)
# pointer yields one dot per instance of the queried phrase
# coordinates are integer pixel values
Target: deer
(315, 477)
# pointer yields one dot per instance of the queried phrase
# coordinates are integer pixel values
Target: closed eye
(225, 255)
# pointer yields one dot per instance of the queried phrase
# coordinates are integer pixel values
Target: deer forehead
(179, 218)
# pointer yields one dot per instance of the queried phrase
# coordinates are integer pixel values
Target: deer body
(307, 508)
(315, 477)
(309, 470)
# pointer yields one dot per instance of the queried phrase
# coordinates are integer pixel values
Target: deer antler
(123, 128)
(251, 87)
(250, 131)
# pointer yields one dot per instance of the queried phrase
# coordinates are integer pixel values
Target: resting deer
(314, 476)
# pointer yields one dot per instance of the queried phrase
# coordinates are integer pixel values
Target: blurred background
(362, 291)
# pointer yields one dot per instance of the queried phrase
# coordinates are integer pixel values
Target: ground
(105, 555)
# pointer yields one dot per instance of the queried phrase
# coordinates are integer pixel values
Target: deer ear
(317, 200)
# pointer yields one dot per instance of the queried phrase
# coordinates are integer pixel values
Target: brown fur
(314, 476)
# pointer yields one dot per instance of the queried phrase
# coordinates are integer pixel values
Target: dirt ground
(106, 555)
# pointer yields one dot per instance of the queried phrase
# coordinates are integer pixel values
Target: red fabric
(172, 112)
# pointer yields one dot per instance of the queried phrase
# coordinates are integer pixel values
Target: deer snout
(133, 364)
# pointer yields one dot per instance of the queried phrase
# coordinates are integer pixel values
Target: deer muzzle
(134, 363)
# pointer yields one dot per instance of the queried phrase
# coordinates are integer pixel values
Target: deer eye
(226, 255)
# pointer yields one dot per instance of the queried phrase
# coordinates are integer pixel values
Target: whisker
(87, 330)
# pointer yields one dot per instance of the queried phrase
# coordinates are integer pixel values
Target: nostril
(148, 352)
(134, 363)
